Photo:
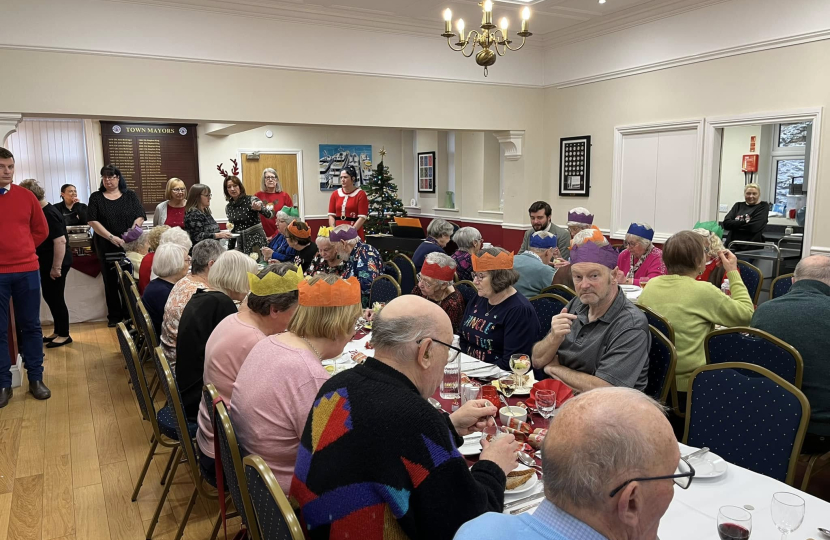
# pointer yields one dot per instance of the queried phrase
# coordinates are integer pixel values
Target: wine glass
(520, 364)
(507, 385)
(229, 226)
(546, 403)
(470, 391)
(787, 512)
(734, 523)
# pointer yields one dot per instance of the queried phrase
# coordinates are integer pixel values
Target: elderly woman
(747, 219)
(137, 247)
(298, 236)
(205, 253)
(712, 234)
(640, 261)
(694, 308)
(361, 260)
(439, 233)
(469, 241)
(435, 284)
(228, 286)
(278, 382)
(145, 270)
(170, 264)
(326, 260)
(198, 220)
(349, 205)
(74, 212)
(579, 219)
(171, 210)
(274, 197)
(499, 322)
(243, 212)
(278, 249)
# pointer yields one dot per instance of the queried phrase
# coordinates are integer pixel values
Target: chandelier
(489, 39)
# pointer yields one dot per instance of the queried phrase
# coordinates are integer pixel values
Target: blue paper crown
(641, 231)
(543, 243)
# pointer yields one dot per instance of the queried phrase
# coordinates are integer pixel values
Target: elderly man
(540, 221)
(802, 318)
(534, 265)
(611, 474)
(361, 260)
(600, 338)
(377, 460)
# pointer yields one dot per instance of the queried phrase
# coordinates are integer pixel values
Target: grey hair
(443, 260)
(540, 234)
(440, 227)
(320, 239)
(204, 252)
(466, 237)
(351, 243)
(578, 474)
(177, 236)
(229, 274)
(398, 337)
(815, 267)
(168, 260)
(143, 240)
(272, 171)
(579, 210)
(282, 216)
(584, 236)
(645, 242)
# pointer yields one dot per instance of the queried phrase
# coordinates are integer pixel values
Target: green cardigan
(694, 308)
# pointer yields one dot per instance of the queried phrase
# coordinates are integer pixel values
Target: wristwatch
(110, 236)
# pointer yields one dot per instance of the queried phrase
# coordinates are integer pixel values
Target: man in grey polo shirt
(600, 338)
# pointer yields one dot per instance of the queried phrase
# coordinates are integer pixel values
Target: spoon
(825, 532)
(528, 460)
(435, 403)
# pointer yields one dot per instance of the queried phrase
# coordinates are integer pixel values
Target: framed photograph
(426, 172)
(335, 157)
(575, 166)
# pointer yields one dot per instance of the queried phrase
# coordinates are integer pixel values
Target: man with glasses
(612, 476)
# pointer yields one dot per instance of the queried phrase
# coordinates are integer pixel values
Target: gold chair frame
(270, 481)
(755, 269)
(776, 280)
(385, 277)
(669, 383)
(551, 289)
(799, 362)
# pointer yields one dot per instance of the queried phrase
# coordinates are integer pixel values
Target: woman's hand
(257, 205)
(117, 241)
(267, 253)
(222, 235)
(729, 260)
(55, 273)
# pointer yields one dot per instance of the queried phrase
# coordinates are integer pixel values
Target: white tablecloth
(84, 297)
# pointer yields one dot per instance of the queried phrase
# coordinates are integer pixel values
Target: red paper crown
(434, 271)
(299, 233)
(344, 292)
(502, 261)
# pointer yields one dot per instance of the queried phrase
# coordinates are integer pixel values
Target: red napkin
(563, 391)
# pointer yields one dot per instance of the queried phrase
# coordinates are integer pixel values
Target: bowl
(506, 413)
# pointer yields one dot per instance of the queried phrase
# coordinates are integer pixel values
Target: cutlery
(506, 404)
(435, 403)
(524, 500)
(528, 460)
(825, 532)
(696, 453)
(525, 508)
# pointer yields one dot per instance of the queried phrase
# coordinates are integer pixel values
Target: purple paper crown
(132, 234)
(543, 243)
(578, 217)
(589, 252)
(345, 234)
(643, 231)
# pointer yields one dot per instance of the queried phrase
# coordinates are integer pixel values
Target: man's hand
(560, 325)
(502, 452)
(473, 416)
(560, 263)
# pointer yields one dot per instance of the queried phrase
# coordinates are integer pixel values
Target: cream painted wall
(732, 180)
(708, 89)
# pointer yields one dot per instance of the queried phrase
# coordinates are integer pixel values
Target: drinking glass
(787, 512)
(470, 391)
(507, 385)
(520, 364)
(546, 403)
(451, 384)
(734, 523)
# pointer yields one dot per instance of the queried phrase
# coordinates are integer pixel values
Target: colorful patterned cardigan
(378, 462)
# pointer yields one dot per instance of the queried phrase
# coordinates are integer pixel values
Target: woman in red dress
(274, 198)
(349, 205)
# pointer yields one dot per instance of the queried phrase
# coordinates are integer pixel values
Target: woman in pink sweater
(641, 260)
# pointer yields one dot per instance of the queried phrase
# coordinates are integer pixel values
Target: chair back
(146, 325)
(754, 346)
(562, 290)
(384, 289)
(781, 285)
(137, 377)
(658, 321)
(467, 289)
(408, 272)
(752, 278)
(756, 422)
(274, 514)
(122, 283)
(391, 269)
(546, 306)
(230, 455)
(662, 361)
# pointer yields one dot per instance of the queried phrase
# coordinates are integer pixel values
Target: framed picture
(426, 172)
(335, 157)
(575, 166)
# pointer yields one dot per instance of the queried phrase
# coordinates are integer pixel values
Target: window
(787, 172)
(788, 161)
(792, 134)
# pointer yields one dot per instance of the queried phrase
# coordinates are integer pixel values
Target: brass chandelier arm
(517, 48)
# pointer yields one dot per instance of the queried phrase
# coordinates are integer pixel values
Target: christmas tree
(384, 204)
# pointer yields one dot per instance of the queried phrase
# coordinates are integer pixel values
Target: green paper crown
(291, 211)
(711, 226)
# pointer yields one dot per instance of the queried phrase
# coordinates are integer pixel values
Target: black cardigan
(751, 231)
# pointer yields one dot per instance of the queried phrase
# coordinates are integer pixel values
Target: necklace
(307, 342)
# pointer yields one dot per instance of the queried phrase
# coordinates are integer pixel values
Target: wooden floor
(68, 464)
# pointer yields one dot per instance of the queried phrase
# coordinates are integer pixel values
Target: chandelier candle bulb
(447, 22)
(487, 16)
(460, 26)
(525, 17)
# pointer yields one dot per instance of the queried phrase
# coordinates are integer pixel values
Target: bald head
(816, 267)
(406, 320)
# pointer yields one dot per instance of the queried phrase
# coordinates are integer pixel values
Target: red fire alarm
(750, 163)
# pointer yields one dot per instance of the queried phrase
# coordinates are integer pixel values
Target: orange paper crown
(344, 292)
(296, 231)
(502, 261)
(597, 236)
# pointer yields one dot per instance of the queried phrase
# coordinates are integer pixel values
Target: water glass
(546, 403)
(787, 512)
(470, 391)
(734, 523)
(451, 383)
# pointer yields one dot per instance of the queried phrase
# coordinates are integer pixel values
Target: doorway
(288, 167)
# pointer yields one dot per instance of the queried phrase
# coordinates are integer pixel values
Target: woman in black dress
(113, 210)
(198, 220)
(243, 213)
(747, 220)
(74, 212)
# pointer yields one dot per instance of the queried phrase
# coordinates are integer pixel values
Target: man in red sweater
(24, 228)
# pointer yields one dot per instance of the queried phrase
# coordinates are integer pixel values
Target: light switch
(723, 208)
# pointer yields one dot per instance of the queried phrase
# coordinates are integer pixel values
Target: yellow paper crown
(344, 292)
(502, 261)
(274, 283)
(324, 232)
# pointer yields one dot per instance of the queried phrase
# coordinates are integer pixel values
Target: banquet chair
(731, 413)
(185, 431)
(780, 286)
(752, 278)
(145, 325)
(384, 289)
(164, 432)
(754, 346)
(391, 269)
(562, 290)
(546, 306)
(662, 361)
(122, 283)
(274, 514)
(467, 289)
(658, 321)
(408, 272)
(813, 459)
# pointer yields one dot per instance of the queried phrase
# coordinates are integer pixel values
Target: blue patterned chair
(546, 306)
(662, 361)
(752, 278)
(391, 269)
(562, 290)
(781, 285)
(753, 346)
(274, 514)
(408, 272)
(384, 289)
(756, 422)
(658, 321)
(467, 289)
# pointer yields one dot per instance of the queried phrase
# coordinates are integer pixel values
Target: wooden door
(284, 164)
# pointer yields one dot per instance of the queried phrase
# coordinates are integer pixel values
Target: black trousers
(53, 290)
(116, 310)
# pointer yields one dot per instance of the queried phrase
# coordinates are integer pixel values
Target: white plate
(709, 465)
(527, 486)
(471, 446)
(235, 235)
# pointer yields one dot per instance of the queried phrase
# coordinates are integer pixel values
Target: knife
(524, 500)
(525, 508)
(696, 453)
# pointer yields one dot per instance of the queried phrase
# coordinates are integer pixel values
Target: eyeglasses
(630, 244)
(208, 195)
(454, 351)
(422, 279)
(682, 477)
(178, 190)
(479, 276)
(270, 177)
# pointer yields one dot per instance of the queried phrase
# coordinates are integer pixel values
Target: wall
(732, 180)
